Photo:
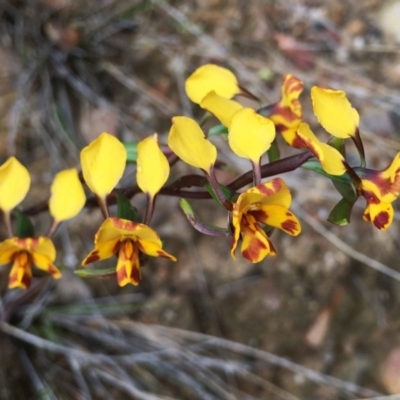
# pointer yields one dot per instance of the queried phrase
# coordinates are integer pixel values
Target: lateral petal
(278, 217)
(44, 263)
(102, 251)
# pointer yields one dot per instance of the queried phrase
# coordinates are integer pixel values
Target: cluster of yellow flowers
(253, 213)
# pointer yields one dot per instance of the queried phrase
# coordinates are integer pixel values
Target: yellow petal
(187, 141)
(42, 245)
(128, 268)
(330, 158)
(221, 107)
(278, 217)
(7, 251)
(103, 163)
(21, 272)
(381, 215)
(102, 251)
(385, 185)
(334, 112)
(44, 263)
(67, 195)
(14, 184)
(250, 134)
(271, 192)
(287, 114)
(152, 166)
(211, 77)
(115, 229)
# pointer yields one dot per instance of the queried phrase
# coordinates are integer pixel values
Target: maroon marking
(381, 220)
(52, 269)
(252, 252)
(135, 275)
(124, 224)
(121, 274)
(370, 197)
(93, 257)
(289, 226)
(117, 247)
(298, 143)
(26, 279)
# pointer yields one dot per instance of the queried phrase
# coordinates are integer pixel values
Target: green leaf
(24, 225)
(125, 209)
(273, 152)
(340, 214)
(217, 130)
(315, 166)
(131, 149)
(88, 273)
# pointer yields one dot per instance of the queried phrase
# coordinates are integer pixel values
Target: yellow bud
(211, 77)
(250, 134)
(67, 195)
(14, 184)
(187, 141)
(103, 163)
(152, 166)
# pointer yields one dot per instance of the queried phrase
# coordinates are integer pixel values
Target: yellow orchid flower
(250, 134)
(267, 203)
(287, 113)
(221, 107)
(152, 166)
(25, 252)
(334, 112)
(380, 189)
(187, 141)
(126, 238)
(14, 184)
(211, 77)
(103, 163)
(67, 195)
(330, 158)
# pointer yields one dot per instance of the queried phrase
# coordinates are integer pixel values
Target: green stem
(217, 190)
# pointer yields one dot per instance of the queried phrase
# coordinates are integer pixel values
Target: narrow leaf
(87, 273)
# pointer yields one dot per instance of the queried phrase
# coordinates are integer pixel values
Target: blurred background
(319, 321)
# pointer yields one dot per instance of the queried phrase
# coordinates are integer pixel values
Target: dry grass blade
(345, 248)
